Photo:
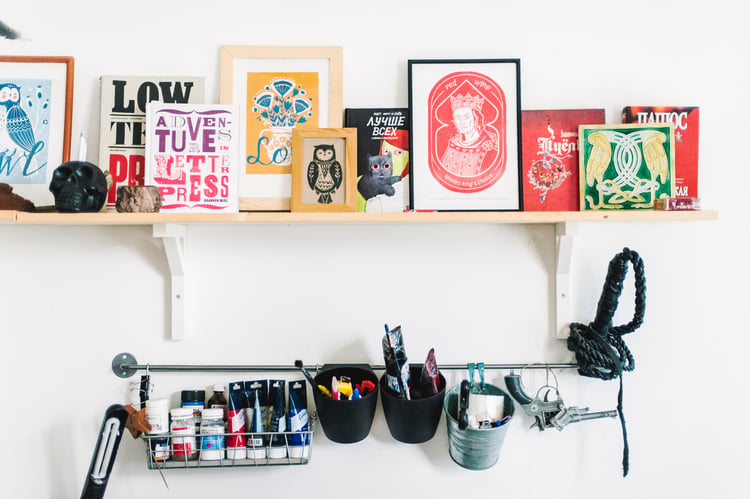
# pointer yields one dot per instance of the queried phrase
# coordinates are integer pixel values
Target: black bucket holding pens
(346, 421)
(415, 420)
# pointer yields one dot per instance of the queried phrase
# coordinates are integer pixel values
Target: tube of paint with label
(298, 420)
(396, 361)
(236, 421)
(429, 380)
(277, 426)
(257, 393)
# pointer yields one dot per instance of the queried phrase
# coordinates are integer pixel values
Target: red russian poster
(550, 157)
(685, 121)
(467, 130)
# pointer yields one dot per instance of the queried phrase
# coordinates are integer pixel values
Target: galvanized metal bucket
(475, 449)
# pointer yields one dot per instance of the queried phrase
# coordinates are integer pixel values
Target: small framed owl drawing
(324, 169)
(36, 102)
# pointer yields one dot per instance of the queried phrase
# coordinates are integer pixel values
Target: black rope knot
(599, 348)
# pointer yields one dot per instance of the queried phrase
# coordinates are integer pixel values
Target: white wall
(73, 297)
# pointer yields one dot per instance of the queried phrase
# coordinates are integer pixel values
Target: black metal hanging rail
(124, 365)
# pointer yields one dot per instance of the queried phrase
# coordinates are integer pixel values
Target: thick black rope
(599, 348)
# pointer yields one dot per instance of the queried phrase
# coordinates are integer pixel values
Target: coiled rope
(599, 348)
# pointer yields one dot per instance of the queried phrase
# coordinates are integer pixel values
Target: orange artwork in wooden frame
(278, 89)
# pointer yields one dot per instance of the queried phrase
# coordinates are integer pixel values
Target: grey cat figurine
(379, 177)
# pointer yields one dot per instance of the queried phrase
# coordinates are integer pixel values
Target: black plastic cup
(412, 421)
(346, 421)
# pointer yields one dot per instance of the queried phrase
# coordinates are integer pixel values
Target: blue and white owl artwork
(24, 130)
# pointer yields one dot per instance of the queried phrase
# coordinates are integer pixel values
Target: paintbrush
(299, 365)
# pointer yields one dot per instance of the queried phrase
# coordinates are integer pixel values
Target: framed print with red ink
(466, 135)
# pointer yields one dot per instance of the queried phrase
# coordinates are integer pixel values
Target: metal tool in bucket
(477, 418)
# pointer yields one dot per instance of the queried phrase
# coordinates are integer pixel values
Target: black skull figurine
(78, 186)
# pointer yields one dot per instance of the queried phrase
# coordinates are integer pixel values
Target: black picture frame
(465, 141)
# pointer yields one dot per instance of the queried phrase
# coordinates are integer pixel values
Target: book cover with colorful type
(685, 121)
(192, 156)
(550, 157)
(382, 158)
(122, 145)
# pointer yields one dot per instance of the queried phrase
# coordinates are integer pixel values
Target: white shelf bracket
(173, 239)
(564, 234)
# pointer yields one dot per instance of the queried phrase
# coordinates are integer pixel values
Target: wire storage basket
(161, 452)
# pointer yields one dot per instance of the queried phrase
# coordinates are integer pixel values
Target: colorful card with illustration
(278, 103)
(382, 158)
(192, 156)
(625, 166)
(685, 121)
(550, 157)
(36, 95)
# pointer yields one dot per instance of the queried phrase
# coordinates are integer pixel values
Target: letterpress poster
(122, 134)
(192, 156)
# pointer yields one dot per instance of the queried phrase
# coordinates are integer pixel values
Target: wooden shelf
(171, 229)
(527, 217)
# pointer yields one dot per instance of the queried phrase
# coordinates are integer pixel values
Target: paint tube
(429, 380)
(396, 361)
(256, 393)
(236, 422)
(277, 444)
(298, 419)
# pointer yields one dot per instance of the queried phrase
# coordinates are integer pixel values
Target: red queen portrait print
(467, 132)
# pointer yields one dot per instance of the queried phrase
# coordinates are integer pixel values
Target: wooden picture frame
(324, 170)
(465, 143)
(36, 93)
(278, 89)
(626, 166)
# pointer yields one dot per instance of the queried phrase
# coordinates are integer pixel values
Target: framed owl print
(36, 102)
(278, 90)
(466, 135)
(324, 170)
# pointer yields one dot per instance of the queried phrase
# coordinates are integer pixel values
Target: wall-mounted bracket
(173, 238)
(564, 234)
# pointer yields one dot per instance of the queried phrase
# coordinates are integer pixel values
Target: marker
(334, 388)
(367, 387)
(345, 386)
